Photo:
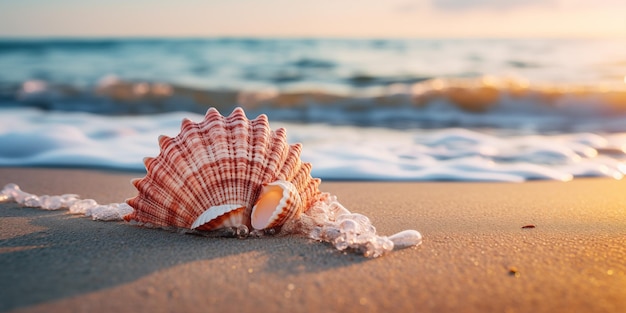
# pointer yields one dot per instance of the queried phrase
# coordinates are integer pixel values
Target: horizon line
(339, 37)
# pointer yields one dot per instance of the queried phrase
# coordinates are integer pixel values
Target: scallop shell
(224, 172)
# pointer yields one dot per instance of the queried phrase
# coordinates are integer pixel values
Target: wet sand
(476, 255)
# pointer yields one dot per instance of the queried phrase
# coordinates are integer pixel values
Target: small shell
(224, 172)
(279, 201)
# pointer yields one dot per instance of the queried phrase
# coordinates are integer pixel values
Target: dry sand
(476, 257)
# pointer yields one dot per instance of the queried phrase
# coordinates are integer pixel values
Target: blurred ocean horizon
(367, 109)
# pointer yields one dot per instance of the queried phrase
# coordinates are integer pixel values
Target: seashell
(224, 172)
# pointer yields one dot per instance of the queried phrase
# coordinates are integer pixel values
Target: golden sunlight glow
(346, 18)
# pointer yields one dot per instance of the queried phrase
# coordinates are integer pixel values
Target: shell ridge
(160, 174)
(160, 178)
(217, 144)
(240, 139)
(311, 194)
(228, 166)
(292, 163)
(186, 170)
(155, 195)
(277, 154)
(251, 169)
(194, 144)
(186, 141)
(257, 147)
(302, 176)
(305, 184)
(231, 165)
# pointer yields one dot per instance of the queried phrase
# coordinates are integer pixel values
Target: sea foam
(30, 137)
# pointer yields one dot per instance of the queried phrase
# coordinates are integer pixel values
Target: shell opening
(217, 212)
(269, 201)
(278, 202)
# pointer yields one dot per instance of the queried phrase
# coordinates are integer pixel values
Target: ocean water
(380, 109)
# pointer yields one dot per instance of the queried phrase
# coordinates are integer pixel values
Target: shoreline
(476, 257)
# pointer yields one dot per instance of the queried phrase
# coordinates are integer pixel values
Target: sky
(313, 18)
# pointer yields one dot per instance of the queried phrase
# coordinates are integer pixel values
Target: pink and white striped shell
(224, 172)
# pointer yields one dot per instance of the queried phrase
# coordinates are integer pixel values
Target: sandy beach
(476, 255)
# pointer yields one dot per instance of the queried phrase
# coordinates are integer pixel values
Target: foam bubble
(329, 221)
(88, 207)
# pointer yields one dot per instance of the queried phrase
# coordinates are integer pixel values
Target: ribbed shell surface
(216, 162)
